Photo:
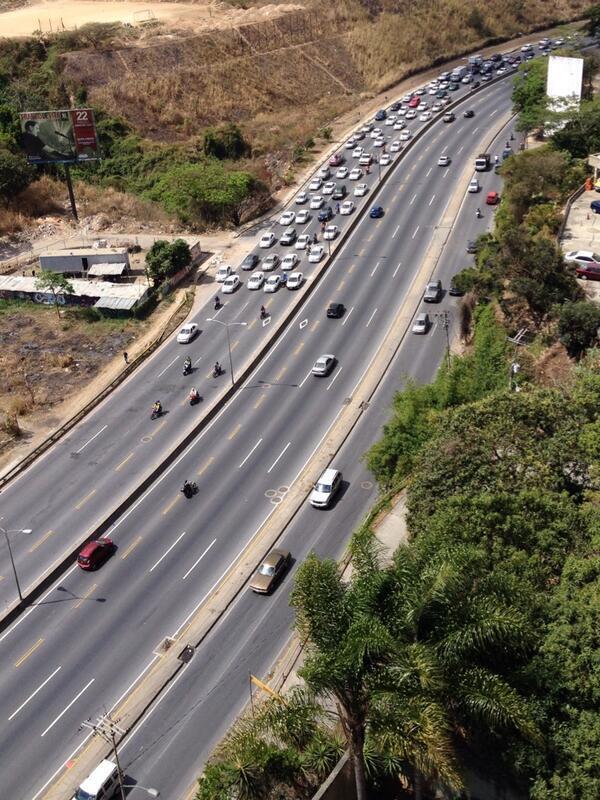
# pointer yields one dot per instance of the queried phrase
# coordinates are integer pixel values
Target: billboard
(565, 76)
(59, 137)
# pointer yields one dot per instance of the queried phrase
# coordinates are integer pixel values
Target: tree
(225, 142)
(578, 326)
(56, 283)
(593, 25)
(166, 258)
(15, 175)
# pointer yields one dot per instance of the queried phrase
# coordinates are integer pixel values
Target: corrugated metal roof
(117, 303)
(107, 269)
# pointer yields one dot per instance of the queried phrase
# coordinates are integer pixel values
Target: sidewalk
(582, 232)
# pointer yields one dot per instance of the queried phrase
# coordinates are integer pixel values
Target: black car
(336, 310)
(395, 106)
(325, 214)
(339, 192)
(468, 113)
(475, 85)
(250, 261)
(471, 246)
(381, 114)
(454, 291)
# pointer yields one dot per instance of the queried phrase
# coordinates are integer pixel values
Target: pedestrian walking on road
(337, 208)
(126, 357)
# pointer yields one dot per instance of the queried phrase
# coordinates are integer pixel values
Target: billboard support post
(71, 192)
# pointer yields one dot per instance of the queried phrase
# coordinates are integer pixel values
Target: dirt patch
(58, 15)
(554, 368)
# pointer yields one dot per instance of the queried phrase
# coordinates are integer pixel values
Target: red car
(95, 553)
(414, 102)
(336, 160)
(587, 272)
(492, 198)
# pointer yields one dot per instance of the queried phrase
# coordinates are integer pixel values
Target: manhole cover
(367, 485)
(146, 439)
(346, 401)
(283, 489)
(270, 493)
(276, 500)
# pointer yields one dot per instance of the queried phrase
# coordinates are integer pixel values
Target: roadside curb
(223, 594)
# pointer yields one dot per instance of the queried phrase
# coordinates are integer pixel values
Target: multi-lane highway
(73, 487)
(92, 636)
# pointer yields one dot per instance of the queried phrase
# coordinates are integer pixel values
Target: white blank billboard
(564, 82)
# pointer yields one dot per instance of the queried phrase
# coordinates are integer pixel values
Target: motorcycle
(263, 313)
(217, 304)
(189, 489)
(187, 368)
(156, 413)
(217, 372)
(194, 397)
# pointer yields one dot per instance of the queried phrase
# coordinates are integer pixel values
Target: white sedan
(473, 186)
(270, 262)
(346, 208)
(315, 254)
(401, 112)
(267, 239)
(223, 272)
(411, 113)
(405, 135)
(360, 189)
(289, 261)
(187, 333)
(316, 201)
(301, 198)
(315, 184)
(294, 280)
(355, 174)
(385, 159)
(256, 280)
(329, 187)
(379, 142)
(324, 172)
(350, 143)
(395, 146)
(342, 172)
(272, 283)
(287, 218)
(303, 241)
(231, 284)
(425, 116)
(302, 217)
(444, 161)
(357, 152)
(375, 133)
(398, 126)
(330, 232)
(390, 121)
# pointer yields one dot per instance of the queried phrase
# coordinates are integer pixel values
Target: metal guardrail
(168, 328)
(567, 210)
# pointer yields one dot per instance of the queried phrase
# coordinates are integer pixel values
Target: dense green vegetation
(166, 258)
(199, 182)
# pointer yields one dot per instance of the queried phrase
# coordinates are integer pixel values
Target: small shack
(112, 262)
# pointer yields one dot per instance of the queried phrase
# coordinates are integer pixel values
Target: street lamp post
(226, 326)
(10, 554)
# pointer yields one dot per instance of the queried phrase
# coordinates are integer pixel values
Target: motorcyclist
(218, 368)
(263, 312)
(478, 213)
(194, 396)
(157, 408)
(187, 489)
(496, 160)
(187, 364)
(217, 302)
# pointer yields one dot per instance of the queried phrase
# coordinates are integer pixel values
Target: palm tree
(408, 653)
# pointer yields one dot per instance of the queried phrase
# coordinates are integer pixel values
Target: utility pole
(71, 192)
(108, 730)
(444, 318)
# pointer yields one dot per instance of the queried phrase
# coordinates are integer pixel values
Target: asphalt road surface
(79, 649)
(65, 494)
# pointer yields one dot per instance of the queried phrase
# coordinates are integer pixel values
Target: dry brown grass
(37, 200)
(117, 206)
(284, 78)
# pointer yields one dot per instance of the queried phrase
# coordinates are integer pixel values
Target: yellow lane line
(341, 283)
(235, 344)
(125, 460)
(41, 541)
(29, 652)
(131, 547)
(166, 509)
(206, 466)
(281, 373)
(315, 324)
(370, 237)
(351, 268)
(235, 431)
(297, 350)
(85, 499)
(252, 324)
(86, 595)
(363, 251)
(158, 427)
(260, 400)
(269, 301)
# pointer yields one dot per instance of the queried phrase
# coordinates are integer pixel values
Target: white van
(101, 784)
(326, 488)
